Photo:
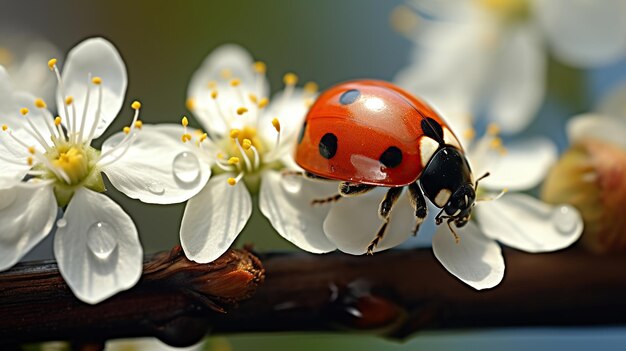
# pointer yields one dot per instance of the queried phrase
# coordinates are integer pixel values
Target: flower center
(72, 160)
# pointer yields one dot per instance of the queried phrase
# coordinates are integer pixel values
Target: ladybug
(369, 133)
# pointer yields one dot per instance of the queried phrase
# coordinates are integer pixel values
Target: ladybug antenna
(487, 174)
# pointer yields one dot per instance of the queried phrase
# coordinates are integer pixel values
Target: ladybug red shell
(370, 132)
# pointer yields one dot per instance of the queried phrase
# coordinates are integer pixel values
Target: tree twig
(395, 293)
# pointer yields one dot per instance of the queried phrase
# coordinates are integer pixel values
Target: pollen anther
(290, 79)
(39, 103)
(276, 124)
(24, 111)
(51, 63)
(69, 100)
(57, 121)
(260, 67)
(234, 133)
(136, 105)
(184, 121)
(241, 111)
(96, 80)
(233, 160)
(231, 181)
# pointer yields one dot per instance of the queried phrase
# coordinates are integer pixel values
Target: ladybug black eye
(432, 129)
(301, 135)
(349, 97)
(392, 157)
(328, 145)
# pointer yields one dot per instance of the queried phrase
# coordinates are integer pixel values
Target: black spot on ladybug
(328, 145)
(349, 97)
(301, 135)
(432, 129)
(392, 157)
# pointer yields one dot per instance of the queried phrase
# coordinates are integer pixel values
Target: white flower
(21, 54)
(517, 220)
(44, 166)
(247, 139)
(488, 57)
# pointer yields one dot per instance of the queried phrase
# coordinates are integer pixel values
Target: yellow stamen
(186, 137)
(403, 19)
(263, 102)
(96, 80)
(69, 100)
(290, 79)
(235, 82)
(234, 133)
(496, 143)
(469, 133)
(220, 156)
(57, 121)
(493, 129)
(31, 150)
(211, 84)
(184, 121)
(253, 98)
(136, 105)
(52, 63)
(24, 111)
(276, 124)
(231, 181)
(39, 103)
(214, 94)
(260, 67)
(311, 87)
(4, 127)
(126, 130)
(203, 137)
(190, 103)
(138, 124)
(246, 144)
(233, 160)
(29, 160)
(241, 111)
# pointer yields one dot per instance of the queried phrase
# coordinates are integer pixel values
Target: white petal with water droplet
(476, 260)
(91, 276)
(148, 165)
(286, 202)
(214, 218)
(525, 223)
(27, 214)
(352, 222)
(99, 58)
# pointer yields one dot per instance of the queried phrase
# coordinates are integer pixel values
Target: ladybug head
(459, 206)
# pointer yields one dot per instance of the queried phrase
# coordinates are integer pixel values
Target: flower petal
(223, 64)
(476, 260)
(604, 128)
(525, 223)
(95, 57)
(289, 110)
(98, 250)
(352, 222)
(157, 168)
(214, 218)
(517, 83)
(27, 214)
(524, 166)
(584, 33)
(286, 202)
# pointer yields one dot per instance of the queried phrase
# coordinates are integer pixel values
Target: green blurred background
(163, 42)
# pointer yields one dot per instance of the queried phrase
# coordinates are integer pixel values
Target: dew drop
(186, 167)
(101, 240)
(565, 219)
(61, 223)
(156, 188)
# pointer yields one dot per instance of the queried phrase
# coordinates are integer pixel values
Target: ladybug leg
(418, 202)
(353, 189)
(449, 220)
(326, 200)
(384, 212)
(307, 175)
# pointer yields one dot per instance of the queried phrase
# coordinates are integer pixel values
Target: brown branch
(395, 293)
(171, 301)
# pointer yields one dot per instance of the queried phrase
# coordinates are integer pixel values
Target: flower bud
(591, 176)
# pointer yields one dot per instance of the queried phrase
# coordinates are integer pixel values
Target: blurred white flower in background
(488, 57)
(47, 163)
(247, 139)
(21, 55)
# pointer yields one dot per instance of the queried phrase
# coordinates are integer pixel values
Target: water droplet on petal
(101, 239)
(61, 223)
(156, 188)
(565, 219)
(186, 167)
